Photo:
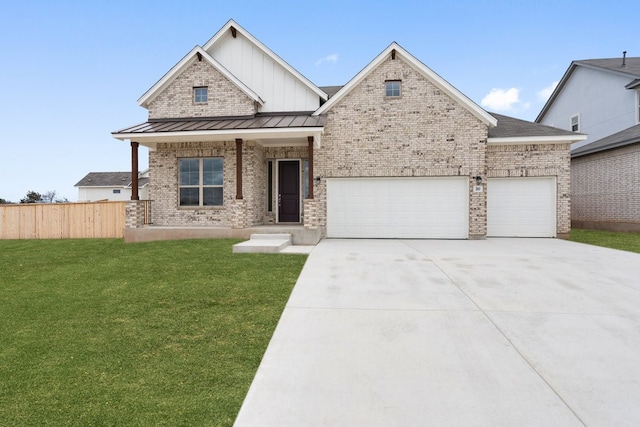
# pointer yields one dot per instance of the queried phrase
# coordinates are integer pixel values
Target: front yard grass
(609, 239)
(96, 332)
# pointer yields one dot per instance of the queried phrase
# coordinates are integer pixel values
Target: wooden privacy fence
(62, 220)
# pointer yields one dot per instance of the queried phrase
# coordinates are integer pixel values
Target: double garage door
(437, 208)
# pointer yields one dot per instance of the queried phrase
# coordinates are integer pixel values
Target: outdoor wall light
(478, 180)
(317, 180)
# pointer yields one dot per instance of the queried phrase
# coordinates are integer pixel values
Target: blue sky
(72, 70)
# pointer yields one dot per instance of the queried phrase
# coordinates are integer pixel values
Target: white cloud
(545, 93)
(333, 58)
(501, 99)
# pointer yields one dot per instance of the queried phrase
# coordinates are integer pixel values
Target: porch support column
(311, 177)
(134, 171)
(239, 169)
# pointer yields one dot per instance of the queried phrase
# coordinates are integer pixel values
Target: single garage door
(521, 207)
(398, 207)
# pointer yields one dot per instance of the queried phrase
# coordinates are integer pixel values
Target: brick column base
(134, 211)
(239, 213)
(310, 212)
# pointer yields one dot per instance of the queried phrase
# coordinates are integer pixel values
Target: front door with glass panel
(289, 191)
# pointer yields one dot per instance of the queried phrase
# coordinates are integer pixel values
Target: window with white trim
(392, 88)
(200, 95)
(575, 123)
(200, 181)
(116, 191)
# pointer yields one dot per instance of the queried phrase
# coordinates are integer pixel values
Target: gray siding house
(601, 97)
(239, 140)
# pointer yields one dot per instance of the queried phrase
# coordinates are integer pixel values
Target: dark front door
(289, 191)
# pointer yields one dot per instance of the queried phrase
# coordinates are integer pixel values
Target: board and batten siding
(279, 89)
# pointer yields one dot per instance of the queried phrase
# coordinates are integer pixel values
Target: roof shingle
(510, 127)
(626, 137)
(109, 179)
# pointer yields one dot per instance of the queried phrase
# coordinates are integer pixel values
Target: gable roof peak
(631, 69)
(236, 29)
(199, 54)
(395, 51)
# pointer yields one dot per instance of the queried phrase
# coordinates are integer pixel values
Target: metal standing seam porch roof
(260, 125)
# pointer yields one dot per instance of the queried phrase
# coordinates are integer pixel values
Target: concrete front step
(263, 243)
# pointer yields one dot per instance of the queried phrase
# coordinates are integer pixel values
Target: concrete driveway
(500, 332)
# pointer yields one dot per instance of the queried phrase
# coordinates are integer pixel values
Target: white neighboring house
(112, 186)
(597, 97)
(601, 98)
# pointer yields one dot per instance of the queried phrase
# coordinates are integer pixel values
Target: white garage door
(521, 207)
(398, 207)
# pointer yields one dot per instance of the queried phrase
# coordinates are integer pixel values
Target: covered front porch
(226, 177)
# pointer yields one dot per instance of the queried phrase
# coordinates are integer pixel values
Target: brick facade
(225, 98)
(605, 186)
(542, 160)
(422, 133)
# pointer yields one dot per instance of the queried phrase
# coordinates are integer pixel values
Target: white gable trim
(267, 51)
(428, 73)
(162, 84)
(531, 140)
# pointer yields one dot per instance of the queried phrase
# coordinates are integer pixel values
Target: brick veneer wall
(422, 133)
(163, 164)
(225, 99)
(536, 161)
(606, 186)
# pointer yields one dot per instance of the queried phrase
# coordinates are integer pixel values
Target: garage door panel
(521, 207)
(397, 207)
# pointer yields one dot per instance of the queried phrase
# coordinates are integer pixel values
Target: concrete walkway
(500, 332)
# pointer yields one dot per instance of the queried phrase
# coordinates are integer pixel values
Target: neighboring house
(601, 98)
(238, 138)
(111, 186)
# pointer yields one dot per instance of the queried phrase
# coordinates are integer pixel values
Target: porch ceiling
(265, 129)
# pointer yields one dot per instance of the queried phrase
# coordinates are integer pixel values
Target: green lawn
(610, 239)
(96, 332)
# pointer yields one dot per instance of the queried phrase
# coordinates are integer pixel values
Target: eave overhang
(286, 129)
(290, 137)
(532, 140)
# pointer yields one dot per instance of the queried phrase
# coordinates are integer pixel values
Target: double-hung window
(575, 123)
(201, 181)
